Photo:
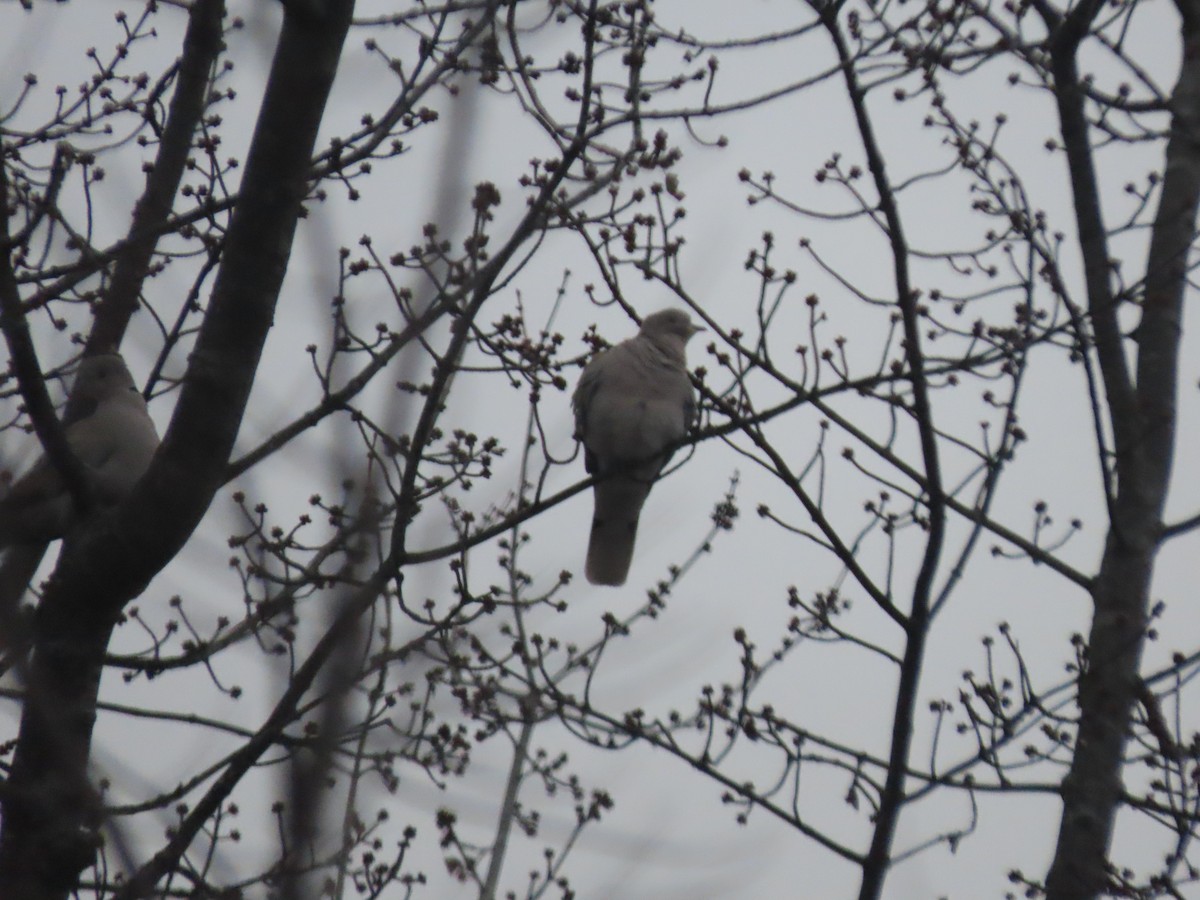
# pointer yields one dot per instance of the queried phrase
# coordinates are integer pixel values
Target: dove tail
(614, 529)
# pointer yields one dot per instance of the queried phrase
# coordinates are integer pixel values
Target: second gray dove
(633, 403)
(115, 441)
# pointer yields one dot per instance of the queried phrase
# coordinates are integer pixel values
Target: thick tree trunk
(1108, 688)
(52, 818)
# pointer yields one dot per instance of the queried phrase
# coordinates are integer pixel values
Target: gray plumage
(632, 403)
(115, 441)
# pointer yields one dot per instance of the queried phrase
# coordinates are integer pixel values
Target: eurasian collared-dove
(115, 441)
(633, 401)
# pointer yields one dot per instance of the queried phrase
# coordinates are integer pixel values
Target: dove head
(101, 377)
(670, 323)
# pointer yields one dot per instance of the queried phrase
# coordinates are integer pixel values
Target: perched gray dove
(115, 441)
(633, 402)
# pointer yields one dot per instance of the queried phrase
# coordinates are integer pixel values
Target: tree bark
(1091, 791)
(51, 816)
